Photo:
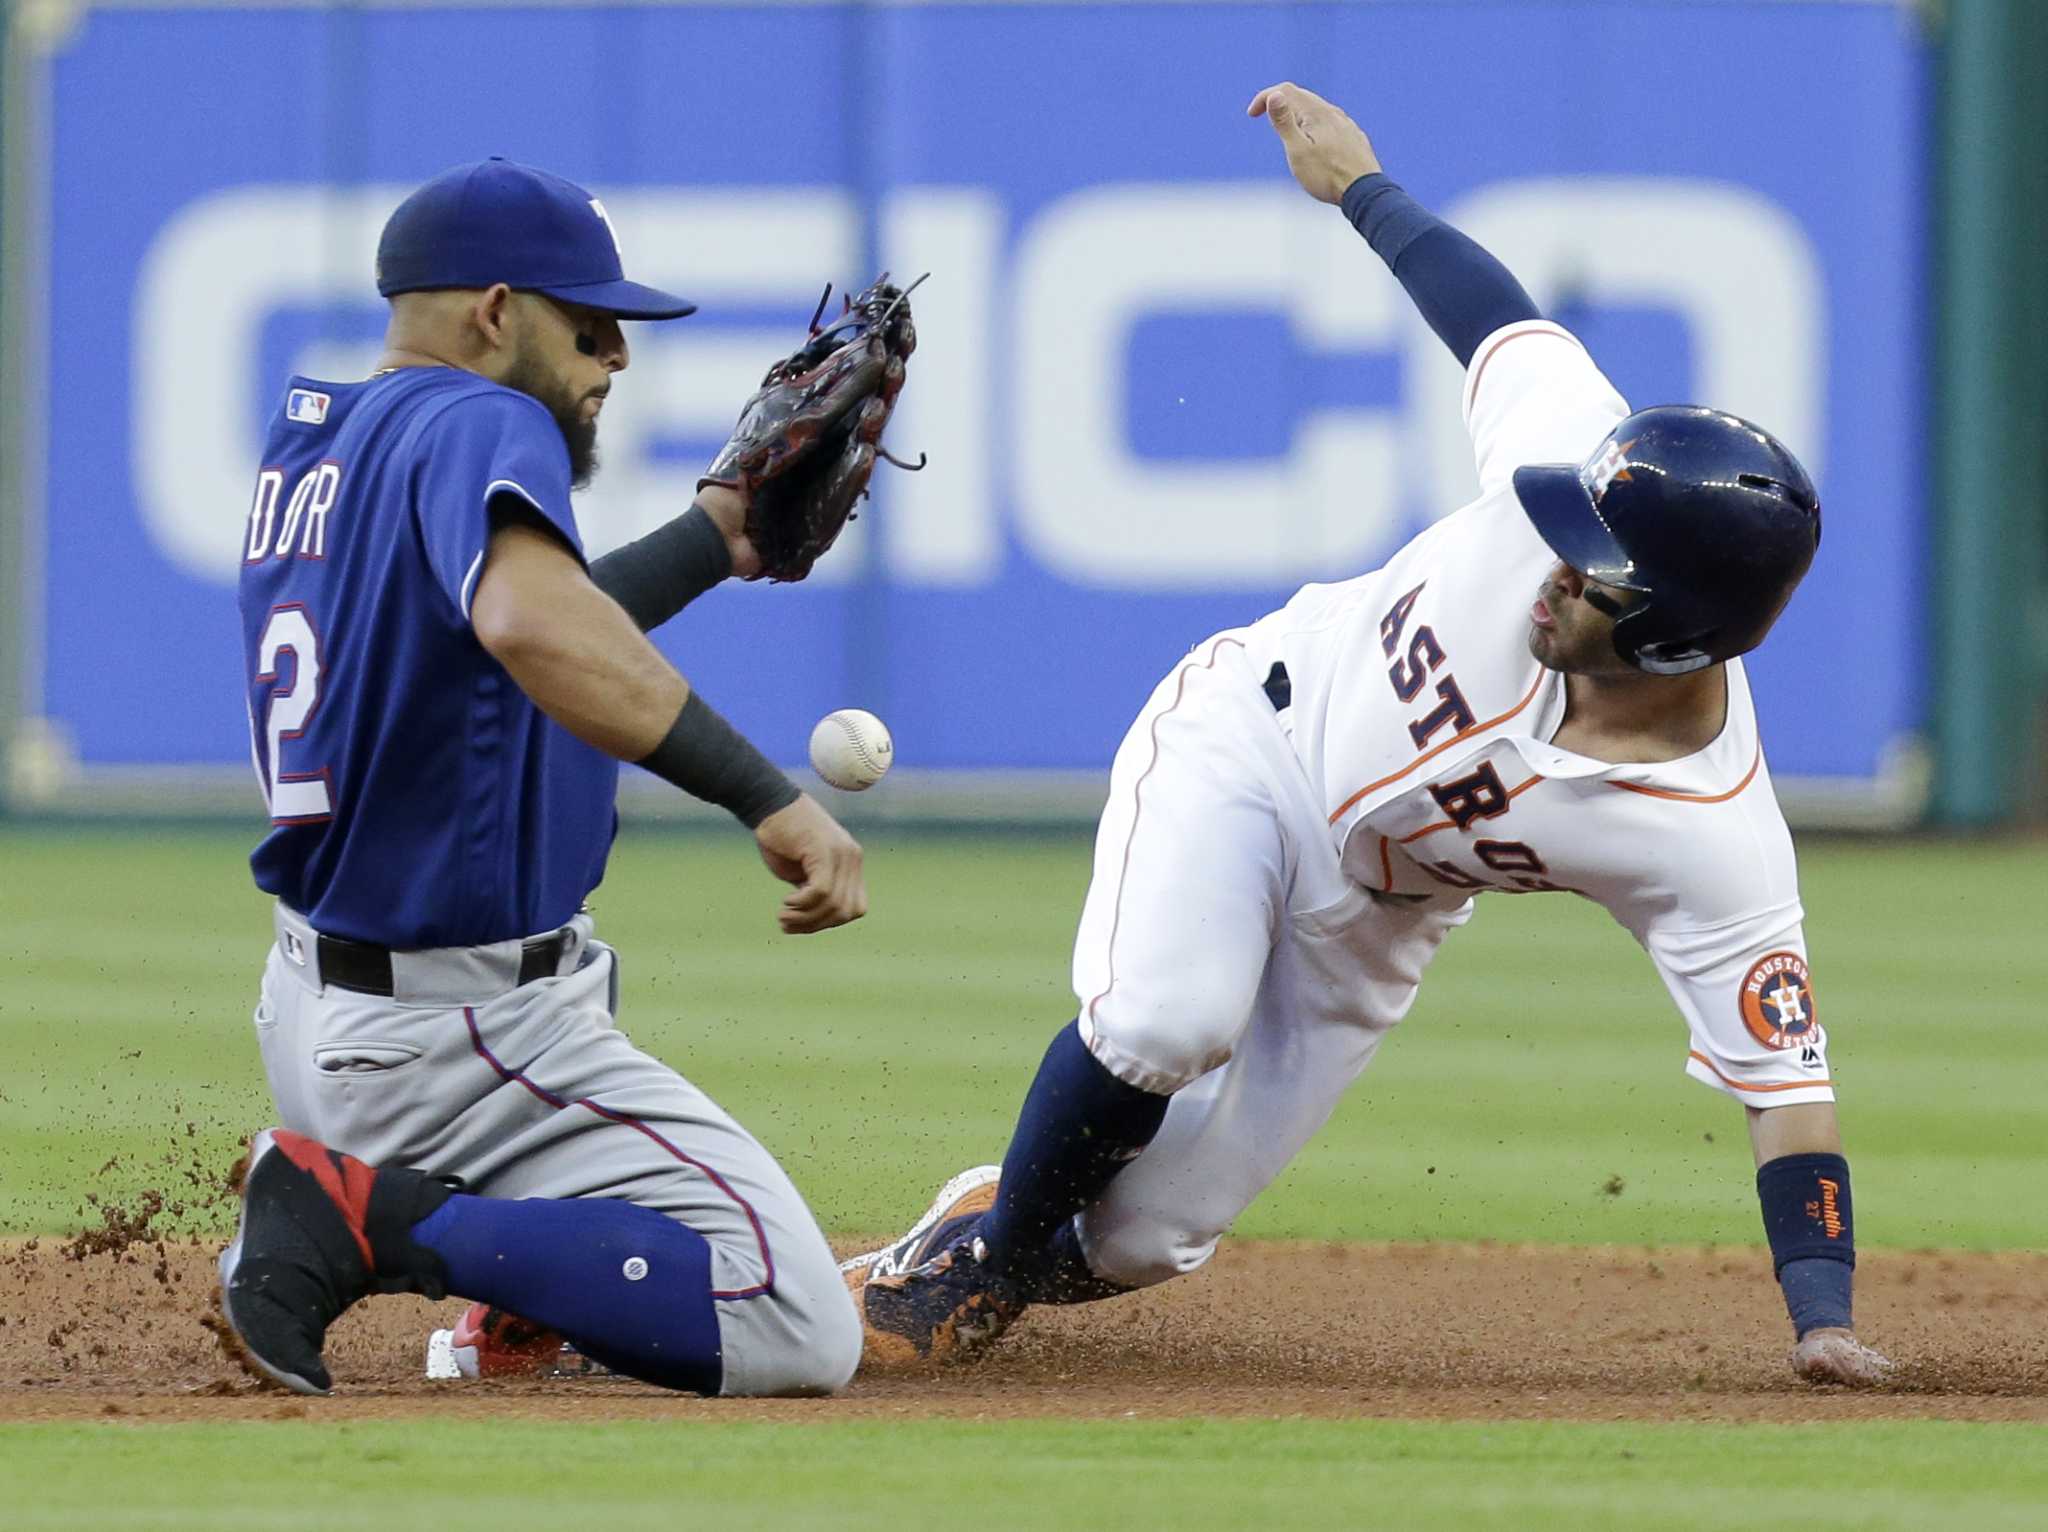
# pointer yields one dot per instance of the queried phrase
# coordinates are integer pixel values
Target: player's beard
(580, 436)
(529, 376)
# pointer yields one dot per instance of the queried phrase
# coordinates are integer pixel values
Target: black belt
(1279, 690)
(367, 969)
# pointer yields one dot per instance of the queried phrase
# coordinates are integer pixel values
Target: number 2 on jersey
(295, 798)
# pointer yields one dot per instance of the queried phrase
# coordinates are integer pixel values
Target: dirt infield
(1444, 1332)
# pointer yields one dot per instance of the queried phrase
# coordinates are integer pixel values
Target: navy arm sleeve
(656, 577)
(1463, 293)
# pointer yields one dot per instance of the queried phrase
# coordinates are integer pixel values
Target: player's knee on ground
(806, 1340)
(829, 1345)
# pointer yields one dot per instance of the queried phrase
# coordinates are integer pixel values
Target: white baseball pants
(1223, 956)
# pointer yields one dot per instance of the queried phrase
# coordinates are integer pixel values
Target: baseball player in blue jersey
(440, 689)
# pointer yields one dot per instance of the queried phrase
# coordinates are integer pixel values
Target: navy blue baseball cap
(496, 221)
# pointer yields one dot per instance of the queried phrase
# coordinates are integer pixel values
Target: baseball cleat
(313, 1221)
(947, 1310)
(488, 1342)
(967, 1195)
(1837, 1356)
(928, 1296)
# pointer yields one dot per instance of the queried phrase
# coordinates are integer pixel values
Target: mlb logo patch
(306, 407)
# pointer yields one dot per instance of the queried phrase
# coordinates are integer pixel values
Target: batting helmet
(1708, 517)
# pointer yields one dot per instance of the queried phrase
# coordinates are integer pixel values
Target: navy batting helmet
(1708, 517)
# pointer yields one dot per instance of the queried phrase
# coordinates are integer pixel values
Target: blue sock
(1817, 1292)
(1067, 1277)
(1080, 1125)
(628, 1286)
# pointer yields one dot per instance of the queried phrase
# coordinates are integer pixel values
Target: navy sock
(1067, 1277)
(1809, 1218)
(629, 1286)
(1817, 1292)
(1080, 1125)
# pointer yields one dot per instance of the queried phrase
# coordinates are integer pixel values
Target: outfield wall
(1159, 387)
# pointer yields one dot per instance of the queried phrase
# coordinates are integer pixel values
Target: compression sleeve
(1463, 293)
(656, 577)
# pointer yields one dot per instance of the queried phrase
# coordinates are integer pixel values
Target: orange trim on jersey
(1386, 867)
(1759, 1090)
(1665, 792)
(1554, 332)
(1430, 755)
(1447, 824)
(1138, 808)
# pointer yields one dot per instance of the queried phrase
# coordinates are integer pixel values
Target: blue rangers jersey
(417, 797)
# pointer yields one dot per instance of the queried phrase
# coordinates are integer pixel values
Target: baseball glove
(806, 443)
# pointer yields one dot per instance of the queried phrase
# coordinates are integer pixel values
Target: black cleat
(319, 1231)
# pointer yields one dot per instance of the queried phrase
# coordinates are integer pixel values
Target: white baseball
(851, 749)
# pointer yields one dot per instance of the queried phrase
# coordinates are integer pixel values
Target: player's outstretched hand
(1326, 150)
(805, 846)
(1835, 1355)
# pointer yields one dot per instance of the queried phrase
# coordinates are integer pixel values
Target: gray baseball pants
(532, 1091)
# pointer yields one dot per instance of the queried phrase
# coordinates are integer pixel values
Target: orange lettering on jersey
(1777, 1002)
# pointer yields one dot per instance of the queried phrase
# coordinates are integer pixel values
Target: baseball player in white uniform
(1542, 692)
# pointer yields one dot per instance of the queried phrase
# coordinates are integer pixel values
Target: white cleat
(967, 1194)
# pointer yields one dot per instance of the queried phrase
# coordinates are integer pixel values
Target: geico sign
(1022, 358)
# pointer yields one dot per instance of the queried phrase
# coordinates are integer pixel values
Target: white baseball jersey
(1422, 718)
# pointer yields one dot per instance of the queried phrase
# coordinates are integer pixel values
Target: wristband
(663, 572)
(708, 758)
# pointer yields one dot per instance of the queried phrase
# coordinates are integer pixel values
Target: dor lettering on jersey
(302, 530)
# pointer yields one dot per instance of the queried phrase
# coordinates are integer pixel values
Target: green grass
(1191, 1475)
(1542, 1059)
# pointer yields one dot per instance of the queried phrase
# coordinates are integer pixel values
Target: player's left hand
(727, 509)
(1835, 1355)
(1326, 150)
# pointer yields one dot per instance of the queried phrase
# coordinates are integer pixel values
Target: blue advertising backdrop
(1160, 387)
